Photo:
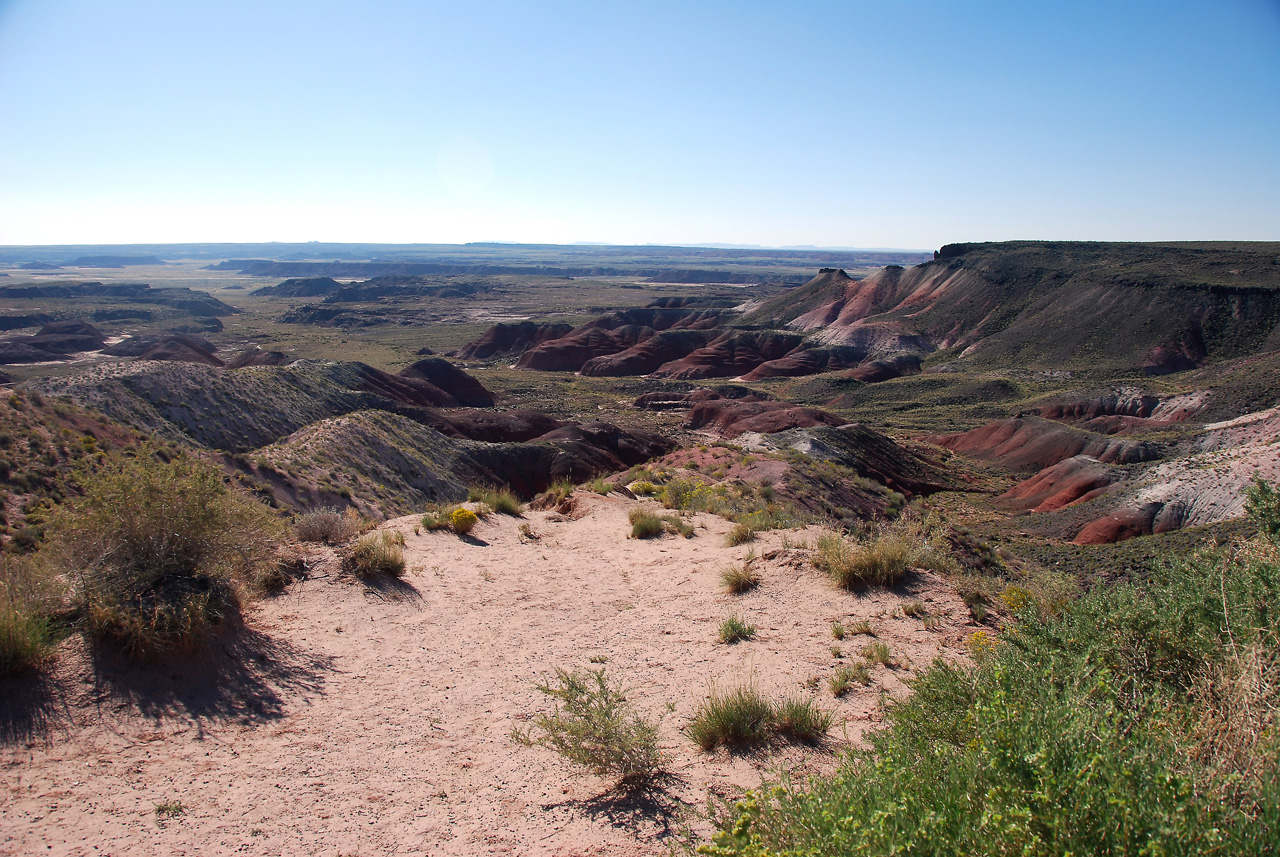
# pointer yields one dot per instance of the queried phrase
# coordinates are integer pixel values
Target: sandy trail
(377, 720)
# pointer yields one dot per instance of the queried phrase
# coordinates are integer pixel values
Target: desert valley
(494, 538)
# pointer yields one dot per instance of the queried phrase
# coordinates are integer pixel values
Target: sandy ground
(356, 719)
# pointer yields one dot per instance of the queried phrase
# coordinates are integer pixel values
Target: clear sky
(900, 123)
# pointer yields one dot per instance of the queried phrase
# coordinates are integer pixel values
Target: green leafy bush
(1136, 719)
(593, 725)
(159, 551)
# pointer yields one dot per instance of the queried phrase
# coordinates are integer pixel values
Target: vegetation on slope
(1140, 719)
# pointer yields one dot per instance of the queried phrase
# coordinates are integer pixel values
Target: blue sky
(894, 124)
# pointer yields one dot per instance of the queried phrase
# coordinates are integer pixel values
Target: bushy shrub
(463, 521)
(740, 535)
(329, 526)
(593, 725)
(159, 550)
(643, 488)
(380, 552)
(28, 596)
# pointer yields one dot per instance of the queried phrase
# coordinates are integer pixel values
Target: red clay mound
(411, 388)
(1122, 412)
(180, 350)
(644, 357)
(735, 353)
(569, 353)
(1031, 444)
(512, 339)
(1074, 480)
(808, 361)
(442, 374)
(1120, 525)
(612, 333)
(886, 370)
(732, 417)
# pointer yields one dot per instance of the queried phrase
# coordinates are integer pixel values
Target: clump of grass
(740, 535)
(160, 549)
(378, 553)
(593, 725)
(735, 629)
(914, 609)
(838, 630)
(27, 602)
(556, 494)
(644, 524)
(879, 653)
(463, 521)
(677, 526)
(500, 500)
(739, 717)
(329, 526)
(846, 676)
(885, 558)
(743, 717)
(169, 809)
(738, 579)
(800, 719)
(599, 485)
(862, 626)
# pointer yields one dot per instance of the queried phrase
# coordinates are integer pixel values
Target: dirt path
(358, 720)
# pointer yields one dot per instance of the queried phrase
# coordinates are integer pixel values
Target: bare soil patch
(355, 718)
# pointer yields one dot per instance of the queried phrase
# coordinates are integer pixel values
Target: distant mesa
(39, 266)
(183, 299)
(113, 261)
(305, 287)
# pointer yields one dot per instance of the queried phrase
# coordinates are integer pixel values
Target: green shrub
(381, 552)
(599, 485)
(644, 524)
(593, 725)
(643, 488)
(463, 521)
(1262, 505)
(500, 500)
(28, 597)
(159, 551)
(735, 629)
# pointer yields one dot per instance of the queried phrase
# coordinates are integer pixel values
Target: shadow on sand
(648, 809)
(242, 676)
